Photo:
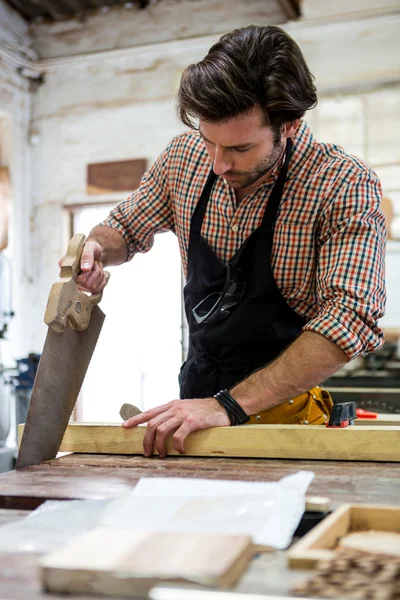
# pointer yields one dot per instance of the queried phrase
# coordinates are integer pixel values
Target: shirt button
(235, 228)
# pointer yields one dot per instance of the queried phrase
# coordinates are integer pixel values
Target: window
(139, 352)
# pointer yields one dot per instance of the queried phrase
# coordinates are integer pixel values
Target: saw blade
(62, 369)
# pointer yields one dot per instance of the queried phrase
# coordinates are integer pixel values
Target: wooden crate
(322, 540)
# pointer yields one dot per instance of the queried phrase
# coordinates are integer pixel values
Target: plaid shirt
(329, 240)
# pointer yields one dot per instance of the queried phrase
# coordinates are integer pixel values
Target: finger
(96, 280)
(87, 258)
(180, 435)
(82, 278)
(151, 432)
(146, 416)
(162, 433)
(92, 288)
(86, 279)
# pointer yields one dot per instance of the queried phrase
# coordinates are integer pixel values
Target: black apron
(253, 323)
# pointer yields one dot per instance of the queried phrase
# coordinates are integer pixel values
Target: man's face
(242, 149)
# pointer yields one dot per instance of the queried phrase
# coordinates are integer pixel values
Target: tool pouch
(311, 408)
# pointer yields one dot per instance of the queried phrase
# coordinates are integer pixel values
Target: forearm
(113, 244)
(305, 363)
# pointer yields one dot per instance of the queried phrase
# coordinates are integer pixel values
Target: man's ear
(289, 128)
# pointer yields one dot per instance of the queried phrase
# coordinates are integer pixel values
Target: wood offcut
(129, 562)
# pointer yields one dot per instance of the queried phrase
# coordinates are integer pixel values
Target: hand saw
(74, 322)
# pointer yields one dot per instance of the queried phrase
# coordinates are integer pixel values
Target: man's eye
(241, 149)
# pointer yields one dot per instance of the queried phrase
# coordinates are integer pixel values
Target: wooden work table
(90, 476)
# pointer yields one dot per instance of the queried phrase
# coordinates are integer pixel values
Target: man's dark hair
(251, 66)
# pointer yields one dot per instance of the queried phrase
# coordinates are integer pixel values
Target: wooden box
(322, 540)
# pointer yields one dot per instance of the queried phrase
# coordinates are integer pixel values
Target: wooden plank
(321, 541)
(373, 443)
(129, 562)
(121, 176)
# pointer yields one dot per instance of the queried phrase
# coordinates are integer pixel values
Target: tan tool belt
(312, 408)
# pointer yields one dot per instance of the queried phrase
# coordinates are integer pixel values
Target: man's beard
(243, 179)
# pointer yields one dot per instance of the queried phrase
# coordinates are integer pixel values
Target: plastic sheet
(52, 525)
(269, 512)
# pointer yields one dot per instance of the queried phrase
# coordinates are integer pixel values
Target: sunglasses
(218, 306)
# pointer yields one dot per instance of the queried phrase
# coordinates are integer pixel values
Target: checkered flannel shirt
(329, 241)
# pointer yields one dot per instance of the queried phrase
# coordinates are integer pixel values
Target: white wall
(14, 153)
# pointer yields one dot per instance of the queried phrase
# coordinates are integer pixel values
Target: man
(282, 242)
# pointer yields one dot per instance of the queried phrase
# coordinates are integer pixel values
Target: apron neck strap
(201, 206)
(271, 210)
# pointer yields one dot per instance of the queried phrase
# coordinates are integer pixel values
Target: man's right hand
(91, 278)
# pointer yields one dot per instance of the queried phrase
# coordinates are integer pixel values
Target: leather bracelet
(236, 414)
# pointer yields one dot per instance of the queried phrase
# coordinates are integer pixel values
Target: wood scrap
(378, 542)
(355, 575)
(128, 562)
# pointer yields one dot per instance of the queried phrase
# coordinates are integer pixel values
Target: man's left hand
(179, 417)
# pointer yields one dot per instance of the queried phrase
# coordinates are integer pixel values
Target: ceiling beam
(73, 6)
(98, 3)
(24, 8)
(291, 8)
(47, 6)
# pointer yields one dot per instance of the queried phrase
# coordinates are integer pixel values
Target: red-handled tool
(366, 414)
(343, 414)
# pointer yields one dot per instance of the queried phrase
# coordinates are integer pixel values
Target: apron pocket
(198, 378)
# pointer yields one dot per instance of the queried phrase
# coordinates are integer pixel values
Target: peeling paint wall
(13, 30)
(14, 153)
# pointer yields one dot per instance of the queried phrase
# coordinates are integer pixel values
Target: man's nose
(222, 164)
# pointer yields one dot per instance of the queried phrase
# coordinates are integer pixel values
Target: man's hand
(92, 278)
(179, 417)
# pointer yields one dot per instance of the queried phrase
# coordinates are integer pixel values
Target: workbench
(90, 476)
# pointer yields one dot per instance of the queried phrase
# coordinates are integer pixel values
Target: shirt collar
(302, 146)
(303, 143)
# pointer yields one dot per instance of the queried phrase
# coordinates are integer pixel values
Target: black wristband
(236, 414)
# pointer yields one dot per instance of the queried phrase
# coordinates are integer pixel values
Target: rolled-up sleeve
(146, 211)
(351, 268)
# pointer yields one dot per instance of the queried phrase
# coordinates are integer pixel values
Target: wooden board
(321, 541)
(374, 443)
(121, 176)
(128, 562)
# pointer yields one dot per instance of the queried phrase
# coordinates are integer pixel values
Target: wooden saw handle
(66, 302)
